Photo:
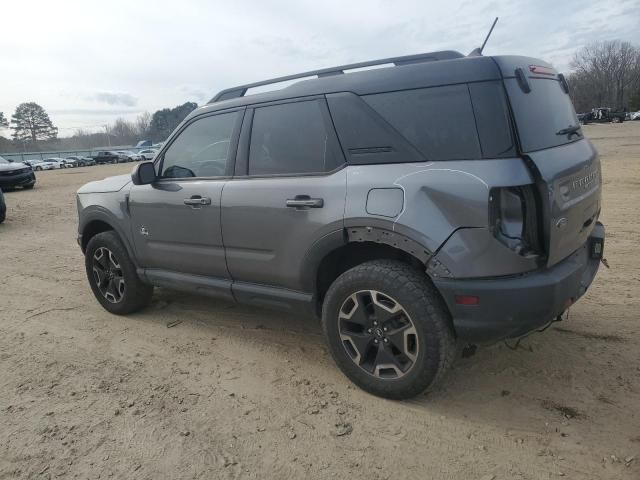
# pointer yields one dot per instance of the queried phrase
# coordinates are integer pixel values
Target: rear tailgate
(566, 165)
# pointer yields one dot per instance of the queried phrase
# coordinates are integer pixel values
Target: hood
(8, 167)
(109, 184)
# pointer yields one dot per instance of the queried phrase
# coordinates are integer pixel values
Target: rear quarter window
(438, 121)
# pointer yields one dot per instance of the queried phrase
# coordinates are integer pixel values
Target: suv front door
(288, 192)
(176, 220)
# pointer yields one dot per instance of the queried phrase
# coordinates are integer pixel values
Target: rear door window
(438, 121)
(542, 113)
(292, 138)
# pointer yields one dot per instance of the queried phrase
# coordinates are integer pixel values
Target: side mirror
(144, 173)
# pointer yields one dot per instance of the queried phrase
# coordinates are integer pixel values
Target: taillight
(513, 218)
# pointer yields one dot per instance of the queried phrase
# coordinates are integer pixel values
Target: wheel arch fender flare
(100, 214)
(354, 234)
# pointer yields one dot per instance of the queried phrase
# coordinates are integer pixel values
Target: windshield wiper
(570, 130)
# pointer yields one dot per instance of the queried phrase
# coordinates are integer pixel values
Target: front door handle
(305, 201)
(197, 201)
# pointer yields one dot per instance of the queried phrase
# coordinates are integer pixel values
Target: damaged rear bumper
(509, 307)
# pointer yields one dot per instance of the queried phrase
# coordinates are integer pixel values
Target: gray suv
(441, 199)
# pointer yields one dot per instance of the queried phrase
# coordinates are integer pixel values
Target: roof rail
(241, 90)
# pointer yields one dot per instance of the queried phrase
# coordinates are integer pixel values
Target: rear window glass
(542, 113)
(438, 121)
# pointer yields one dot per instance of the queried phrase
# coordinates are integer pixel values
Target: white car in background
(148, 154)
(39, 165)
(59, 162)
(634, 115)
(129, 155)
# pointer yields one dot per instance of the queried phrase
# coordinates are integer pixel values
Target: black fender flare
(356, 234)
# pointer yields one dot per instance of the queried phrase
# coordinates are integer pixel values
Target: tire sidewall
(111, 241)
(427, 321)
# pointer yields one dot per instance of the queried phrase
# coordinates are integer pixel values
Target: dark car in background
(82, 161)
(106, 156)
(16, 174)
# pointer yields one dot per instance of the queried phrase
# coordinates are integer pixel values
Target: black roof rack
(241, 90)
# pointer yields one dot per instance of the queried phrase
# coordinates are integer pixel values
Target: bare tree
(604, 74)
(143, 122)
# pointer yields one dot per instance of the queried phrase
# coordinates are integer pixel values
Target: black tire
(616, 120)
(434, 344)
(3, 215)
(38, 169)
(135, 295)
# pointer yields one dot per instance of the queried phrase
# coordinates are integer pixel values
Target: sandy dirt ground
(237, 392)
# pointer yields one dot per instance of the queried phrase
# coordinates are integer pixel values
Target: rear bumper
(27, 178)
(509, 307)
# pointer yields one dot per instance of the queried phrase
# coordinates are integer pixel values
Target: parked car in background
(39, 165)
(148, 154)
(601, 115)
(634, 116)
(82, 161)
(69, 162)
(16, 174)
(3, 207)
(57, 161)
(129, 155)
(107, 156)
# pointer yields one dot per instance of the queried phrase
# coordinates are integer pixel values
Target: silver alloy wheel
(108, 276)
(378, 334)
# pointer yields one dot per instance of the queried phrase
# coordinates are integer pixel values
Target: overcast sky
(88, 62)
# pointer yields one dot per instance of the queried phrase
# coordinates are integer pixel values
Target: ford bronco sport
(440, 198)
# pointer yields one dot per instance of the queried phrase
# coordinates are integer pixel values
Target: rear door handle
(305, 201)
(197, 201)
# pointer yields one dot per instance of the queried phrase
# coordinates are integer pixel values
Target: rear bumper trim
(513, 306)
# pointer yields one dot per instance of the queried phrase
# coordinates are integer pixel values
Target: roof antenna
(477, 52)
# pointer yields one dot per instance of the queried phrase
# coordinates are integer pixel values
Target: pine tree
(31, 122)
(3, 121)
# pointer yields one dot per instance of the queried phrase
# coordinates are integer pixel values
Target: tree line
(32, 130)
(606, 74)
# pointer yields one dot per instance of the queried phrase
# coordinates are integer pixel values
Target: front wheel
(388, 329)
(112, 275)
(615, 120)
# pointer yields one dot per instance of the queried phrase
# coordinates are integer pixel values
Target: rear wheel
(38, 169)
(387, 329)
(615, 120)
(112, 275)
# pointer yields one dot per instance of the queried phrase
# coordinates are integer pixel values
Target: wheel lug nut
(386, 340)
(375, 341)
(369, 331)
(385, 329)
(375, 323)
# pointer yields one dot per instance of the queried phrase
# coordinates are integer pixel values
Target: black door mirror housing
(144, 173)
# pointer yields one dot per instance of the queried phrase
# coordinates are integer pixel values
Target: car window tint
(438, 121)
(492, 118)
(201, 149)
(291, 138)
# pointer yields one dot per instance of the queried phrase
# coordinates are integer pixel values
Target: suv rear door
(176, 220)
(288, 192)
(566, 165)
